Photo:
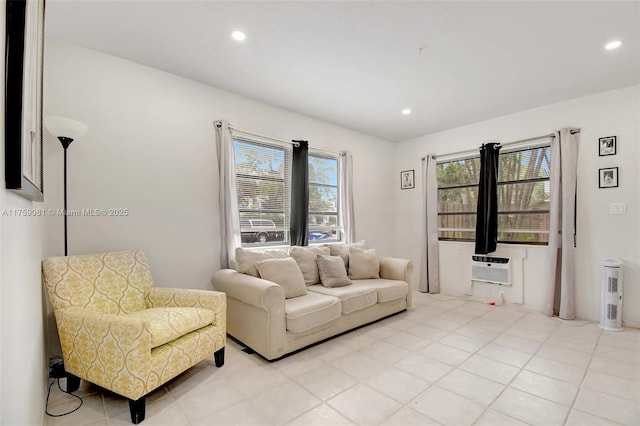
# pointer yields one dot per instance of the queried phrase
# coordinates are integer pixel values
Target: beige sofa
(261, 317)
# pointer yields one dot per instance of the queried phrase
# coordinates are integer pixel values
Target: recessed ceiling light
(613, 45)
(238, 35)
(406, 111)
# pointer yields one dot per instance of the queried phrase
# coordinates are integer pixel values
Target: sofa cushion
(363, 264)
(246, 259)
(310, 311)
(352, 298)
(167, 324)
(284, 272)
(332, 272)
(342, 250)
(387, 289)
(306, 259)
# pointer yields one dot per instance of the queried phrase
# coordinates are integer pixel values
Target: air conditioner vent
(491, 269)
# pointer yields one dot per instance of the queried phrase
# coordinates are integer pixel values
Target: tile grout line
(580, 386)
(520, 370)
(505, 386)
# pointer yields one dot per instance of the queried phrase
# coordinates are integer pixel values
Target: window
(523, 197)
(263, 184)
(324, 213)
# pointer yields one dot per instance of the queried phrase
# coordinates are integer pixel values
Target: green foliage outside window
(523, 197)
(263, 184)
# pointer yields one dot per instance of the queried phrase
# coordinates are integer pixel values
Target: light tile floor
(446, 361)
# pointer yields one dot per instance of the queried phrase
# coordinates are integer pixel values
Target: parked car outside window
(259, 231)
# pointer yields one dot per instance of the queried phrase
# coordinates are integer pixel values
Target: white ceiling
(357, 64)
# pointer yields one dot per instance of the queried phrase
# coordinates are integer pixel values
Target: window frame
(510, 150)
(339, 228)
(286, 180)
(287, 159)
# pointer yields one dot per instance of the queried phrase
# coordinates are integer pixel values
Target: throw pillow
(306, 259)
(363, 264)
(342, 250)
(246, 259)
(285, 273)
(332, 272)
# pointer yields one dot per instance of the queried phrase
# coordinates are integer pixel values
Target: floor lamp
(66, 130)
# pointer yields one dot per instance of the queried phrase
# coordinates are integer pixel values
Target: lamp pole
(65, 141)
(66, 130)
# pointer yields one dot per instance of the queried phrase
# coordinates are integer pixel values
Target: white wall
(600, 235)
(150, 148)
(22, 349)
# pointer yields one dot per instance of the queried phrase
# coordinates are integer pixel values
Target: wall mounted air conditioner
(611, 311)
(495, 270)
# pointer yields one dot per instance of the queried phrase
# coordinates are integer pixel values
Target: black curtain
(487, 217)
(299, 230)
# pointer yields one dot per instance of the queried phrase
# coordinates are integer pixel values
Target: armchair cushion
(167, 324)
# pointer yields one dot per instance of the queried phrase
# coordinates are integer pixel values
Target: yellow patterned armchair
(121, 333)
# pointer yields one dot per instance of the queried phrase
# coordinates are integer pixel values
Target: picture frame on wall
(23, 98)
(608, 177)
(407, 179)
(607, 146)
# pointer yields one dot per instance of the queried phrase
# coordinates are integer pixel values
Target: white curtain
(560, 279)
(430, 250)
(229, 217)
(346, 199)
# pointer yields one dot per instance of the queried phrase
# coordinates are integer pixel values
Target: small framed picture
(407, 179)
(608, 177)
(607, 145)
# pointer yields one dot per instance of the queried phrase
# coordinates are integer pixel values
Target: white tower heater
(611, 311)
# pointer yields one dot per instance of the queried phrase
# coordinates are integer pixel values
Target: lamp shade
(65, 127)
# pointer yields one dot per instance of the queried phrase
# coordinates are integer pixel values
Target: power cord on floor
(46, 409)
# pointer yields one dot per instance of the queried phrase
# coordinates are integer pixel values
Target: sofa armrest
(189, 298)
(392, 268)
(112, 351)
(248, 289)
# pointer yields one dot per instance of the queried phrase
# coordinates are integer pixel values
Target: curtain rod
(219, 125)
(324, 151)
(470, 151)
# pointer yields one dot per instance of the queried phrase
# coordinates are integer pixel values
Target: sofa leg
(219, 357)
(137, 409)
(73, 382)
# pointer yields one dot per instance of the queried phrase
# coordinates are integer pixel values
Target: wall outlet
(56, 369)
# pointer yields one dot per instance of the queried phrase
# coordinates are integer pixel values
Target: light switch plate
(618, 208)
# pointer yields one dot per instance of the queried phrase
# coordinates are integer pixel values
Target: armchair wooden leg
(137, 409)
(219, 357)
(73, 382)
